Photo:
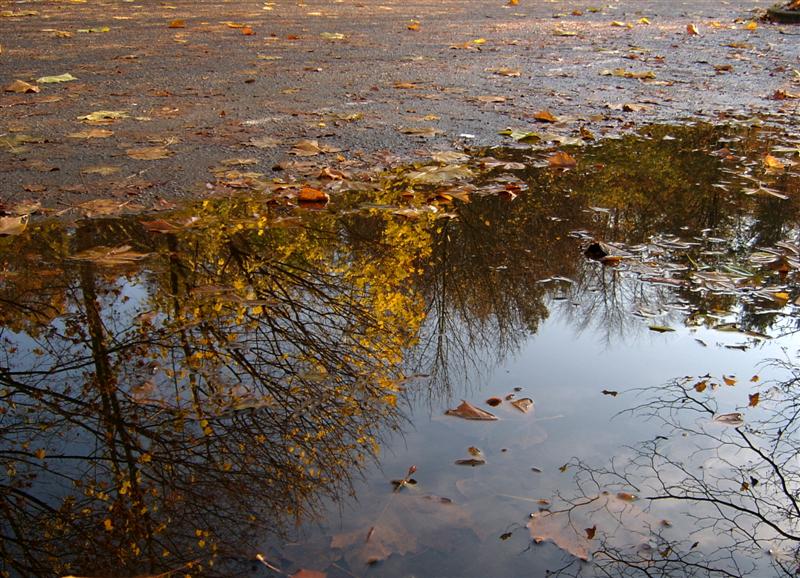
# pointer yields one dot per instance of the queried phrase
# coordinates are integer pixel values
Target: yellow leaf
(177, 23)
(751, 25)
(414, 25)
(10, 226)
(149, 153)
(109, 525)
(545, 116)
(691, 29)
(561, 160)
(773, 163)
(729, 380)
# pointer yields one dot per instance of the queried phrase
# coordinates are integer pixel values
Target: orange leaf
(309, 195)
(700, 386)
(729, 380)
(772, 163)
(562, 160)
(753, 399)
(545, 116)
(177, 23)
(692, 30)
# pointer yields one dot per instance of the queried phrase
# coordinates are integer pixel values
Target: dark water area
(258, 386)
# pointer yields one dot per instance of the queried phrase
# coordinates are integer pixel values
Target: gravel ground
(202, 81)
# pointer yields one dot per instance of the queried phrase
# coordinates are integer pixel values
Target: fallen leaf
(103, 170)
(734, 419)
(21, 87)
(610, 392)
(561, 160)
(413, 25)
(92, 133)
(102, 207)
(177, 23)
(546, 526)
(332, 35)
(12, 226)
(66, 77)
(773, 163)
(545, 116)
(691, 29)
(505, 71)
(754, 398)
(491, 99)
(494, 401)
(110, 256)
(473, 462)
(426, 131)
(247, 31)
(149, 153)
(622, 73)
(627, 497)
(263, 142)
(160, 226)
(752, 25)
(310, 195)
(104, 116)
(590, 532)
(700, 386)
(449, 157)
(660, 328)
(524, 404)
(310, 148)
(468, 411)
(729, 380)
(303, 573)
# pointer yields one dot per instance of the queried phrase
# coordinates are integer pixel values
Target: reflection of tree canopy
(717, 493)
(165, 416)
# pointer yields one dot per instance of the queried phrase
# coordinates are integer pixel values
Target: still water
(256, 386)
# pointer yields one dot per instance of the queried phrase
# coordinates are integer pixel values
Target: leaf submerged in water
(468, 411)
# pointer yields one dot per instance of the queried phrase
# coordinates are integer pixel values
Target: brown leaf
(754, 397)
(545, 116)
(426, 131)
(310, 148)
(590, 532)
(102, 207)
(21, 87)
(626, 497)
(691, 29)
(177, 23)
(468, 411)
(700, 386)
(470, 462)
(247, 31)
(491, 99)
(773, 163)
(149, 153)
(10, 226)
(494, 401)
(160, 226)
(546, 526)
(729, 379)
(505, 71)
(610, 392)
(734, 419)
(524, 404)
(561, 160)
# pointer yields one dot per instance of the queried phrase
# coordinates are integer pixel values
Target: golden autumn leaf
(545, 116)
(754, 398)
(773, 163)
(524, 404)
(729, 379)
(691, 29)
(177, 23)
(149, 153)
(12, 226)
(311, 195)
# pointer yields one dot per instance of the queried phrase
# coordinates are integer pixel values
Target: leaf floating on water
(12, 226)
(110, 256)
(773, 163)
(729, 379)
(754, 379)
(310, 195)
(700, 386)
(734, 419)
(494, 401)
(610, 392)
(754, 397)
(470, 462)
(660, 328)
(524, 404)
(473, 451)
(627, 497)
(561, 160)
(506, 536)
(547, 526)
(468, 411)
(590, 532)
(304, 573)
(160, 226)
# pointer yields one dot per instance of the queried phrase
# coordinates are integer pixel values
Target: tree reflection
(716, 495)
(163, 419)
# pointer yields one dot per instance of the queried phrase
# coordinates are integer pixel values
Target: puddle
(233, 386)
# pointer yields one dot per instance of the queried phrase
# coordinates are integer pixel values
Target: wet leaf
(470, 462)
(505, 71)
(627, 497)
(773, 163)
(263, 142)
(311, 195)
(547, 526)
(177, 23)
(92, 133)
(110, 256)
(103, 170)
(545, 116)
(102, 207)
(610, 392)
(494, 401)
(506, 536)
(691, 29)
(449, 157)
(12, 226)
(734, 419)
(754, 398)
(700, 386)
(310, 148)
(473, 451)
(660, 328)
(729, 379)
(622, 73)
(561, 160)
(149, 153)
(426, 131)
(524, 404)
(21, 87)
(160, 226)
(303, 573)
(66, 77)
(754, 379)
(104, 116)
(468, 411)
(590, 532)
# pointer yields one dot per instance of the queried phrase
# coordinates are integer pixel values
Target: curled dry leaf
(468, 411)
(524, 404)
